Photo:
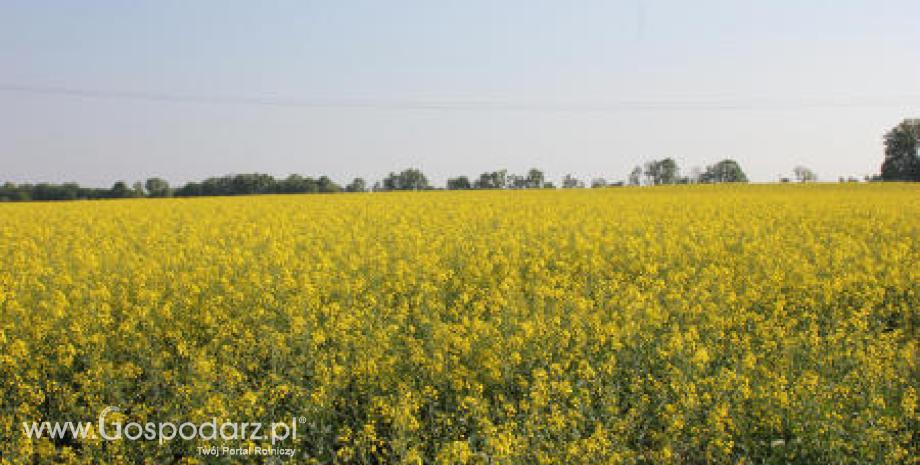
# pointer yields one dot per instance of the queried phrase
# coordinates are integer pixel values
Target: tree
(324, 184)
(459, 183)
(71, 191)
(217, 186)
(514, 181)
(296, 183)
(571, 182)
(723, 171)
(408, 180)
(192, 189)
(391, 182)
(902, 152)
(256, 183)
(664, 171)
(493, 180)
(157, 187)
(803, 174)
(598, 182)
(357, 185)
(120, 190)
(668, 172)
(535, 179)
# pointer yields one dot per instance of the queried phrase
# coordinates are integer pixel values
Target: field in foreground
(701, 324)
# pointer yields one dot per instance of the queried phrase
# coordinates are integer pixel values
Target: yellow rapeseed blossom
(684, 324)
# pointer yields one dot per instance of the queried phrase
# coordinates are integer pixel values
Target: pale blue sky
(452, 87)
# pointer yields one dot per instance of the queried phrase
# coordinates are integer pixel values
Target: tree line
(412, 179)
(902, 152)
(239, 184)
(901, 163)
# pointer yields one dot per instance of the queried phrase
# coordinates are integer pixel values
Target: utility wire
(470, 104)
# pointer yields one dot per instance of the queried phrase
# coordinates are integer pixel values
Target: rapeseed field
(723, 324)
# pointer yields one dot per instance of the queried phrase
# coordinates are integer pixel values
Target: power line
(470, 104)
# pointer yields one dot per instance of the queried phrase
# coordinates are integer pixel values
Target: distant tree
(408, 180)
(296, 183)
(120, 190)
(514, 181)
(598, 183)
(571, 182)
(45, 191)
(157, 187)
(21, 196)
(535, 179)
(256, 183)
(391, 182)
(357, 185)
(217, 186)
(902, 152)
(71, 191)
(668, 171)
(459, 183)
(493, 180)
(326, 185)
(803, 174)
(723, 171)
(664, 171)
(191, 189)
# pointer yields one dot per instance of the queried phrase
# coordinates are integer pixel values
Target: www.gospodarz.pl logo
(164, 432)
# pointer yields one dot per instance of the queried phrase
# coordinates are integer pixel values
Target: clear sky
(97, 91)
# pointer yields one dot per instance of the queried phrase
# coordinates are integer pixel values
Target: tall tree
(408, 180)
(662, 171)
(120, 190)
(803, 174)
(515, 181)
(295, 183)
(535, 179)
(324, 184)
(493, 180)
(902, 152)
(459, 183)
(357, 185)
(157, 187)
(723, 171)
(571, 182)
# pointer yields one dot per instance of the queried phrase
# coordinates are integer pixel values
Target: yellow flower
(684, 324)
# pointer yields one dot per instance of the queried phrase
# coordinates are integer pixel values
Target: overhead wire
(469, 104)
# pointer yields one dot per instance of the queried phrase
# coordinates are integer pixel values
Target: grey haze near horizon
(544, 84)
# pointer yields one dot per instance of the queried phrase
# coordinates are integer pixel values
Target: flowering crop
(695, 324)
